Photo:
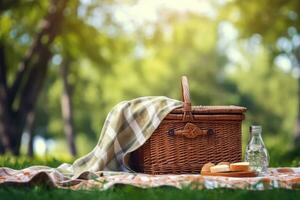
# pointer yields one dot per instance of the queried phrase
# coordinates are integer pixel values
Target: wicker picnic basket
(191, 136)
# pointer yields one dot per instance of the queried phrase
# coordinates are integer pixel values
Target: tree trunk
(29, 128)
(3, 93)
(8, 120)
(29, 80)
(8, 129)
(2, 150)
(67, 108)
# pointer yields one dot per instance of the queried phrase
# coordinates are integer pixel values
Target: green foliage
(109, 65)
(17, 32)
(271, 89)
(263, 88)
(270, 18)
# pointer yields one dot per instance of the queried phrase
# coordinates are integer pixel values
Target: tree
(88, 52)
(67, 106)
(278, 24)
(17, 101)
(71, 37)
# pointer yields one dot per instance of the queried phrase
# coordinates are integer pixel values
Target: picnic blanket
(127, 127)
(288, 178)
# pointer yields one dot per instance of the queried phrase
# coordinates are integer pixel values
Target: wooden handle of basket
(187, 105)
(190, 130)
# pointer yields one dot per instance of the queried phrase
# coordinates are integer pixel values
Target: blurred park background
(65, 63)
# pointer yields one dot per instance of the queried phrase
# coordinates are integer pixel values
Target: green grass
(23, 161)
(125, 192)
(133, 193)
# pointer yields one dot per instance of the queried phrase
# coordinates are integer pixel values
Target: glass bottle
(256, 152)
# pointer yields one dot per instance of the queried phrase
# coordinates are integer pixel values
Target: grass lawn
(137, 193)
(126, 192)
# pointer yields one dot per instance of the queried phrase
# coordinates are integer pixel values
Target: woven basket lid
(213, 110)
(188, 108)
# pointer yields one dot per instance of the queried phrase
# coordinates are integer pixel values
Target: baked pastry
(207, 166)
(239, 166)
(223, 163)
(219, 168)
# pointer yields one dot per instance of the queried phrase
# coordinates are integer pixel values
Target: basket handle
(187, 105)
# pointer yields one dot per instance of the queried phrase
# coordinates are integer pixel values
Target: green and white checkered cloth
(126, 128)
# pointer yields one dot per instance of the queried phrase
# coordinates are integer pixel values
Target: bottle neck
(256, 138)
(256, 133)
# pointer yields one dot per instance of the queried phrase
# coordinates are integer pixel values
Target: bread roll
(206, 167)
(224, 163)
(219, 168)
(240, 166)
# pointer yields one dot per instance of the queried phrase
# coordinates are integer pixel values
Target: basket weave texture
(191, 136)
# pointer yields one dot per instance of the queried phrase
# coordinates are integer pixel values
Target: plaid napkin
(126, 128)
